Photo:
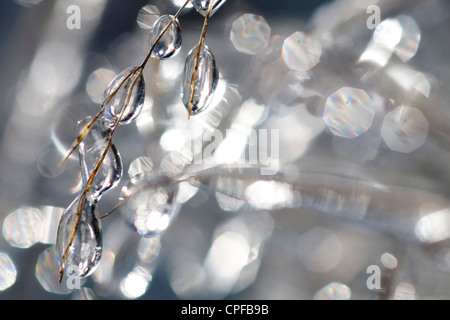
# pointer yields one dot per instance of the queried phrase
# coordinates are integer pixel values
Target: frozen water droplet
(349, 112)
(405, 129)
(202, 6)
(120, 86)
(205, 81)
(85, 251)
(250, 33)
(170, 42)
(301, 52)
(150, 205)
(91, 150)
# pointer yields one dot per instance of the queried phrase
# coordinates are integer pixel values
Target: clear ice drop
(170, 42)
(202, 6)
(90, 151)
(124, 96)
(83, 255)
(205, 80)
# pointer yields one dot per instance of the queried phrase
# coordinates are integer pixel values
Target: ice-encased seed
(170, 43)
(205, 80)
(126, 90)
(90, 151)
(202, 6)
(84, 253)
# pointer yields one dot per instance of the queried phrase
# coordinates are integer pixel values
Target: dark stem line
(197, 58)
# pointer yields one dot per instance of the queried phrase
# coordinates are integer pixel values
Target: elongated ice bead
(123, 96)
(83, 255)
(90, 151)
(202, 6)
(170, 43)
(205, 80)
(150, 205)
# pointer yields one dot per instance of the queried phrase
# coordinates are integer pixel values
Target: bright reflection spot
(297, 131)
(147, 16)
(22, 228)
(8, 272)
(219, 93)
(250, 33)
(153, 220)
(237, 137)
(319, 250)
(269, 194)
(169, 71)
(50, 221)
(56, 69)
(400, 36)
(228, 203)
(96, 83)
(434, 227)
(376, 54)
(227, 256)
(349, 112)
(148, 249)
(230, 193)
(173, 140)
(186, 191)
(333, 291)
(388, 33)
(145, 122)
(409, 43)
(136, 283)
(232, 147)
(405, 291)
(405, 129)
(179, 3)
(301, 52)
(389, 260)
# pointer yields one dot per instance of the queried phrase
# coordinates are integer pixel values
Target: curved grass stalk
(86, 130)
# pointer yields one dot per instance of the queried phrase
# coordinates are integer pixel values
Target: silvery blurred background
(362, 117)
